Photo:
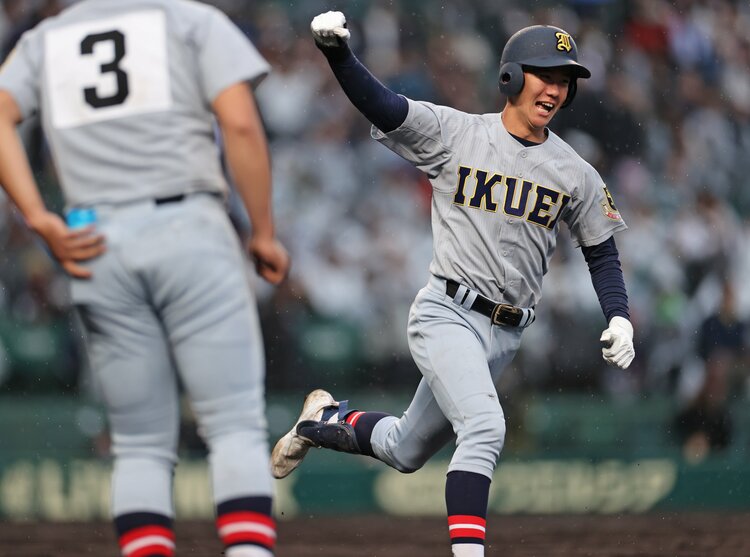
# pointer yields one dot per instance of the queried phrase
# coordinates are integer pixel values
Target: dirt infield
(675, 535)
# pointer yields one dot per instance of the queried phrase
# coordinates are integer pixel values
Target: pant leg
(210, 315)
(130, 361)
(453, 349)
(406, 443)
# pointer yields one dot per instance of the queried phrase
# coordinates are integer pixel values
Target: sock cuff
(363, 424)
(246, 521)
(467, 529)
(145, 534)
(353, 417)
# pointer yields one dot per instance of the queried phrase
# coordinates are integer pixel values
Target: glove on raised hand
(329, 29)
(618, 342)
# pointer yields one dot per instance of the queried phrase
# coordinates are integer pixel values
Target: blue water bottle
(78, 218)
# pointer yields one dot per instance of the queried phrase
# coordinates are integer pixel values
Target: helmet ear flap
(572, 89)
(511, 79)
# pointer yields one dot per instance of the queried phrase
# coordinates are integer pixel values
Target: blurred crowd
(665, 119)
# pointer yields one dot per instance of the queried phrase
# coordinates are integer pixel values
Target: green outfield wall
(62, 490)
(588, 459)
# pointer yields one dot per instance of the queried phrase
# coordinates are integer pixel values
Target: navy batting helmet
(539, 46)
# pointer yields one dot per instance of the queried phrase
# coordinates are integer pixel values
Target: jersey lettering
(548, 205)
(545, 200)
(511, 207)
(463, 172)
(563, 202)
(483, 192)
(107, 68)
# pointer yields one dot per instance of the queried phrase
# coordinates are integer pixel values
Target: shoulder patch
(610, 210)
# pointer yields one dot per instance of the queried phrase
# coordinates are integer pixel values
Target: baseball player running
(501, 184)
(129, 91)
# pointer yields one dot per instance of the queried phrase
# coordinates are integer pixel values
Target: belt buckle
(506, 314)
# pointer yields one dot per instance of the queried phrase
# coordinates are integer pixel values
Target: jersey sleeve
(593, 216)
(226, 56)
(424, 138)
(20, 72)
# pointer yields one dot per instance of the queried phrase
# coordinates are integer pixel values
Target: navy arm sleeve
(606, 276)
(381, 106)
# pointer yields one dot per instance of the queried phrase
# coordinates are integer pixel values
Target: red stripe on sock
(466, 526)
(352, 418)
(249, 537)
(144, 531)
(149, 550)
(467, 533)
(245, 516)
(466, 519)
(245, 532)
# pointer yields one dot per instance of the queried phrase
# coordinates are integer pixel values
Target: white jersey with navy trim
(497, 204)
(115, 79)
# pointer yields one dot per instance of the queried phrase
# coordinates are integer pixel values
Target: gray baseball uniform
(125, 91)
(497, 204)
(496, 209)
(127, 112)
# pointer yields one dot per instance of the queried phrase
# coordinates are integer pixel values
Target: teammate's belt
(499, 314)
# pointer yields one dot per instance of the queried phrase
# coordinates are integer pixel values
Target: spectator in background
(706, 238)
(705, 425)
(23, 15)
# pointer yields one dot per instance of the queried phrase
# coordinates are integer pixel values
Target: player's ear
(510, 79)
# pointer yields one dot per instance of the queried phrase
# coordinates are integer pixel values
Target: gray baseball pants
(170, 301)
(461, 356)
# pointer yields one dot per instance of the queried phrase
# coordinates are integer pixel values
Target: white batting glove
(328, 28)
(618, 342)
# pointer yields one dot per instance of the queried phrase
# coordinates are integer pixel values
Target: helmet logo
(563, 42)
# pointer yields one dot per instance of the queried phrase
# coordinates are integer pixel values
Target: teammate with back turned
(501, 184)
(129, 92)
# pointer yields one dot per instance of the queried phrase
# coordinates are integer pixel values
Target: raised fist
(329, 29)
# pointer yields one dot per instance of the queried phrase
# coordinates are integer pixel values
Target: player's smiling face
(544, 91)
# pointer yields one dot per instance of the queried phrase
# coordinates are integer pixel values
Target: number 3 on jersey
(118, 41)
(107, 68)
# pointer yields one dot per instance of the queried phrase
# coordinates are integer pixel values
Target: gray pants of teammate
(171, 297)
(461, 355)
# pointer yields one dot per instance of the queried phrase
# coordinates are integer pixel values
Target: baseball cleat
(338, 436)
(292, 448)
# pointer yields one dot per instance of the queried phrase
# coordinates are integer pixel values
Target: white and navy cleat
(292, 447)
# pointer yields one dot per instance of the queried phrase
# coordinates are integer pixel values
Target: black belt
(171, 199)
(182, 196)
(499, 314)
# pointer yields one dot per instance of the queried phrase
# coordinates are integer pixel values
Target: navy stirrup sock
(466, 498)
